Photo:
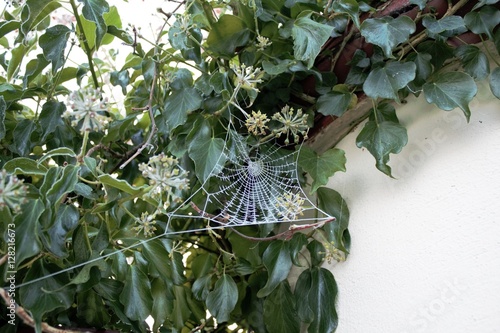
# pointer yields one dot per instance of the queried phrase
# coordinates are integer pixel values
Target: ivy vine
(88, 184)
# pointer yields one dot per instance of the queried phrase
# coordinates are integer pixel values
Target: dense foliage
(88, 182)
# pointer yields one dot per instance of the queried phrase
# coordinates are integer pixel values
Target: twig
(26, 318)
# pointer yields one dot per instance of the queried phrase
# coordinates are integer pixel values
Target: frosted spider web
(258, 184)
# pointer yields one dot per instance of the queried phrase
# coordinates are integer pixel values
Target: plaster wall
(425, 254)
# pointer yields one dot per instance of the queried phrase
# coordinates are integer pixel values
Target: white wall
(425, 253)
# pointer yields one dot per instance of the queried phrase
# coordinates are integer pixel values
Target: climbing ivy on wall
(90, 180)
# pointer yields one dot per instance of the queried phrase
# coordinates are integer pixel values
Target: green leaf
(22, 137)
(158, 256)
(66, 220)
(201, 287)
(331, 202)
(280, 312)
(228, 33)
(94, 10)
(34, 68)
(34, 12)
(63, 151)
(334, 103)
(439, 51)
(308, 38)
(447, 23)
(47, 294)
(17, 56)
(483, 21)
(385, 82)
(91, 309)
(451, 90)
(27, 230)
(423, 70)
(181, 310)
(420, 3)
(65, 183)
(208, 156)
(474, 61)
(53, 43)
(277, 260)
(222, 300)
(179, 104)
(317, 252)
(203, 264)
(162, 304)
(495, 82)
(298, 241)
(387, 32)
(382, 139)
(136, 294)
(321, 167)
(350, 7)
(25, 166)
(3, 107)
(8, 26)
(315, 294)
(120, 184)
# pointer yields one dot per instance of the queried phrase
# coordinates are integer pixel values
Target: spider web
(258, 184)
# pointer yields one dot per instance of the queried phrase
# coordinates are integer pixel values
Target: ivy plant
(90, 183)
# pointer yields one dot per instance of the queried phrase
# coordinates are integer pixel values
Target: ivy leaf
(321, 167)
(47, 294)
(350, 7)
(136, 294)
(315, 294)
(222, 300)
(208, 156)
(483, 21)
(298, 241)
(277, 260)
(382, 139)
(179, 104)
(447, 23)
(94, 10)
(420, 3)
(91, 309)
(27, 230)
(17, 56)
(63, 151)
(66, 220)
(228, 33)
(335, 103)
(331, 202)
(451, 90)
(53, 43)
(385, 82)
(423, 70)
(481, 3)
(25, 166)
(22, 137)
(34, 68)
(3, 107)
(308, 38)
(474, 61)
(495, 82)
(387, 32)
(62, 184)
(181, 310)
(162, 303)
(34, 12)
(280, 312)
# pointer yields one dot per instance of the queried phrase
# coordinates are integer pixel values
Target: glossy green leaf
(495, 82)
(277, 260)
(162, 304)
(3, 108)
(64, 184)
(317, 252)
(22, 137)
(208, 156)
(8, 26)
(331, 202)
(179, 104)
(334, 103)
(34, 68)
(53, 43)
(228, 33)
(203, 264)
(452, 22)
(387, 32)
(26, 166)
(181, 311)
(321, 167)
(420, 3)
(201, 287)
(382, 139)
(27, 230)
(34, 12)
(350, 7)
(483, 21)
(280, 312)
(439, 51)
(66, 219)
(222, 300)
(136, 294)
(17, 56)
(424, 70)
(315, 294)
(298, 241)
(63, 151)
(385, 82)
(94, 10)
(47, 294)
(91, 309)
(474, 61)
(120, 184)
(309, 37)
(451, 90)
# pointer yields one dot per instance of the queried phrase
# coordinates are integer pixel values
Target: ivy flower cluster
(256, 123)
(292, 123)
(290, 206)
(166, 177)
(12, 191)
(86, 106)
(247, 77)
(146, 224)
(262, 43)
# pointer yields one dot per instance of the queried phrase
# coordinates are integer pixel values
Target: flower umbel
(262, 42)
(146, 223)
(86, 106)
(12, 191)
(290, 206)
(256, 123)
(294, 123)
(247, 77)
(166, 177)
